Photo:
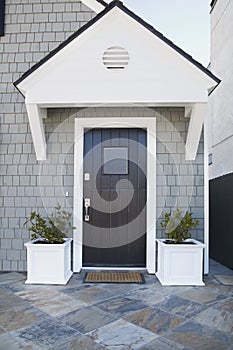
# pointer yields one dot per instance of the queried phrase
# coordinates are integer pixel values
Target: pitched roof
(108, 8)
(102, 2)
(212, 4)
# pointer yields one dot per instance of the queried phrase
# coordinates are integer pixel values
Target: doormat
(113, 277)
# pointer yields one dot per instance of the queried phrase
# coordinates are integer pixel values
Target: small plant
(177, 226)
(52, 229)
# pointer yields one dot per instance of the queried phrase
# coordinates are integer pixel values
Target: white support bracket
(35, 115)
(194, 130)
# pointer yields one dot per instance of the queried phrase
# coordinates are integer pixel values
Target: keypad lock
(87, 204)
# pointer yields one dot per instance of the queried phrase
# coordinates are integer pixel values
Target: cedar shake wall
(31, 31)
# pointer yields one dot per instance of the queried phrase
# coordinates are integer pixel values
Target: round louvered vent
(115, 57)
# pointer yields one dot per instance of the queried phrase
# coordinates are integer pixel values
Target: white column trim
(37, 130)
(206, 201)
(150, 125)
(195, 129)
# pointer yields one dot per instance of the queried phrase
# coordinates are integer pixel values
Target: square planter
(48, 263)
(180, 264)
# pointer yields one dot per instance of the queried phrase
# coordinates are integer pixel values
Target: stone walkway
(117, 317)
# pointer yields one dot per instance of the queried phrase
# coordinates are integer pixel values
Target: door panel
(115, 234)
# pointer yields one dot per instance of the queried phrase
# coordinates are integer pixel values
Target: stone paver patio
(117, 317)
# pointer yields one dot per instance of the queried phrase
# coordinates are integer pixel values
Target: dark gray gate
(221, 223)
(114, 219)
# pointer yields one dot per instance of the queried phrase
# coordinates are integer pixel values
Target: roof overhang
(158, 74)
(95, 5)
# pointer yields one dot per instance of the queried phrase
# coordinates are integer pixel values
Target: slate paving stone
(218, 269)
(76, 281)
(162, 343)
(181, 307)
(50, 301)
(21, 286)
(9, 301)
(149, 296)
(20, 317)
(155, 320)
(87, 319)
(9, 342)
(226, 304)
(2, 330)
(151, 279)
(9, 287)
(196, 336)
(92, 295)
(202, 295)
(171, 290)
(221, 290)
(52, 316)
(116, 288)
(47, 333)
(11, 277)
(120, 306)
(220, 319)
(80, 343)
(226, 280)
(122, 335)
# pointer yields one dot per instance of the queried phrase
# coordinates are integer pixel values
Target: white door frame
(150, 125)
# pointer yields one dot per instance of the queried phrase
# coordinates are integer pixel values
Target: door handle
(87, 204)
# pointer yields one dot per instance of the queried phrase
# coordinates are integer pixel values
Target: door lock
(87, 203)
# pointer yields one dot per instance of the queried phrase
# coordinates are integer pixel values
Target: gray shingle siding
(180, 183)
(33, 28)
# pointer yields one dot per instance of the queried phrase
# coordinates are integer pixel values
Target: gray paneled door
(114, 215)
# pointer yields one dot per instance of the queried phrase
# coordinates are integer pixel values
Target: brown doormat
(113, 277)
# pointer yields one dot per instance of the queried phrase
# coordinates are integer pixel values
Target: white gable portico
(157, 74)
(117, 60)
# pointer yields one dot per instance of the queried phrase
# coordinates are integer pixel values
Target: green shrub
(52, 229)
(177, 226)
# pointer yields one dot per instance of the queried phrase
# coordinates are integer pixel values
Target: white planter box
(180, 264)
(48, 263)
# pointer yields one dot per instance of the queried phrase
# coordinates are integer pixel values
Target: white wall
(221, 100)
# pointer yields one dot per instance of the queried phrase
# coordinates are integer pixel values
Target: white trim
(150, 125)
(142, 269)
(194, 131)
(35, 115)
(93, 5)
(206, 200)
(119, 104)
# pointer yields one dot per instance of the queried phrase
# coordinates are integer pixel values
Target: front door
(114, 206)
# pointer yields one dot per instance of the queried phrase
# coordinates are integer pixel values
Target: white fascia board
(195, 128)
(93, 5)
(37, 129)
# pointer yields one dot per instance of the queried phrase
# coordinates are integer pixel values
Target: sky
(185, 22)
